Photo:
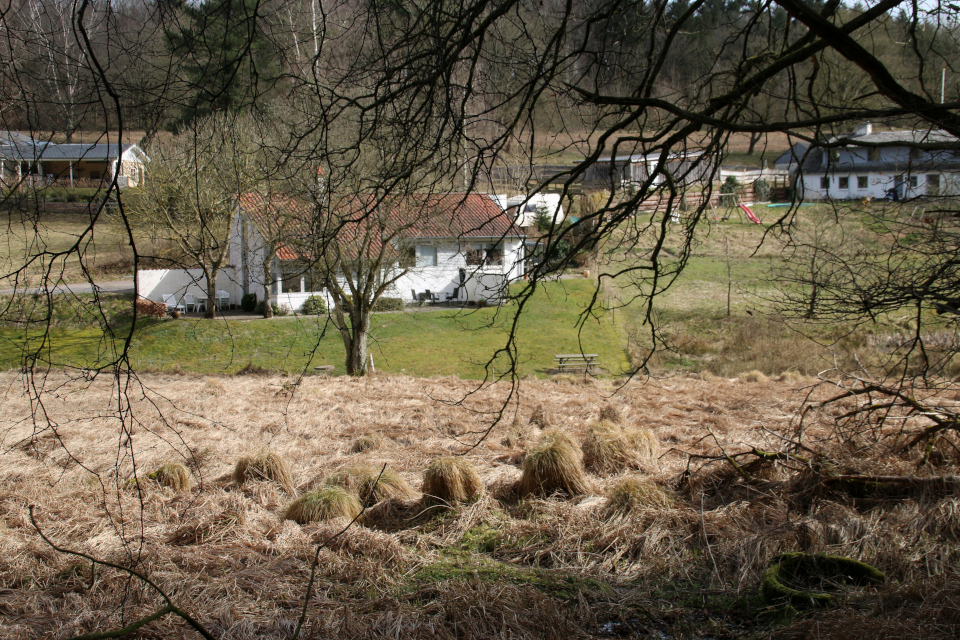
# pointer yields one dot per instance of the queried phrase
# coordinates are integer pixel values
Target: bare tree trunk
(211, 276)
(267, 284)
(356, 343)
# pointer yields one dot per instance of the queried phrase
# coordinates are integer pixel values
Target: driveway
(125, 285)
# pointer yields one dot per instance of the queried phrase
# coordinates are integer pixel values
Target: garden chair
(193, 304)
(452, 297)
(222, 297)
(172, 305)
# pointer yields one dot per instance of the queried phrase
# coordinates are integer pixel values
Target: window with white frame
(844, 182)
(913, 181)
(825, 182)
(862, 182)
(426, 255)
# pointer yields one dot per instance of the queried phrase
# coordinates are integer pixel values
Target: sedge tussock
(368, 442)
(363, 480)
(227, 546)
(174, 476)
(754, 376)
(790, 377)
(264, 465)
(555, 464)
(609, 448)
(329, 501)
(630, 494)
(452, 479)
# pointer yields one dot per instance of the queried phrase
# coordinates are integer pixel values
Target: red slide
(750, 214)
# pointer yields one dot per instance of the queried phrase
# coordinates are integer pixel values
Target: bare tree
(361, 253)
(191, 197)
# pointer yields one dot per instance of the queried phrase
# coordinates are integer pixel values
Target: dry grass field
(652, 544)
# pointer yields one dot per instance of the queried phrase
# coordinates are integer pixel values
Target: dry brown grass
(555, 464)
(609, 448)
(520, 435)
(630, 494)
(539, 417)
(754, 376)
(264, 465)
(371, 485)
(325, 503)
(610, 413)
(368, 442)
(174, 476)
(452, 479)
(491, 568)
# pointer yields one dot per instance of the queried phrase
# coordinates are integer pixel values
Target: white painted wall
(488, 282)
(527, 207)
(153, 284)
(877, 185)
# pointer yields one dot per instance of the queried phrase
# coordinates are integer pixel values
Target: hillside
(681, 556)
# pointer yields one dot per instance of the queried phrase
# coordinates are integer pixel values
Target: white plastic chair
(171, 301)
(222, 296)
(192, 303)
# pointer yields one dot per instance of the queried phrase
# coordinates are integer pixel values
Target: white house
(898, 164)
(526, 208)
(70, 164)
(465, 249)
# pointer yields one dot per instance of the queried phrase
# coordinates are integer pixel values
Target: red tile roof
(457, 216)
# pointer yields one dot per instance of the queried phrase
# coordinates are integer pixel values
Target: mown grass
(424, 343)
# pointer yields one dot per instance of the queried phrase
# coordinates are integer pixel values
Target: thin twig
(170, 608)
(316, 558)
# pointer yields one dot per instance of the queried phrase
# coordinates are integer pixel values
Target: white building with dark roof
(869, 164)
(69, 164)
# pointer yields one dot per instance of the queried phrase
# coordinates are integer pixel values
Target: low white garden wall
(153, 284)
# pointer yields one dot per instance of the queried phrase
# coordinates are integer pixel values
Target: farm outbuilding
(689, 167)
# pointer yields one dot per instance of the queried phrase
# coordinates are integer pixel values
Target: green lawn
(428, 343)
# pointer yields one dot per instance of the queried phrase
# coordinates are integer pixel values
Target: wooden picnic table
(575, 360)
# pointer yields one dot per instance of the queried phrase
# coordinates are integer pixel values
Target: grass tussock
(174, 476)
(324, 503)
(264, 465)
(609, 448)
(368, 442)
(754, 376)
(555, 464)
(790, 377)
(452, 479)
(372, 486)
(632, 494)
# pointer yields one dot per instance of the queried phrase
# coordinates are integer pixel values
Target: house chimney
(865, 129)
